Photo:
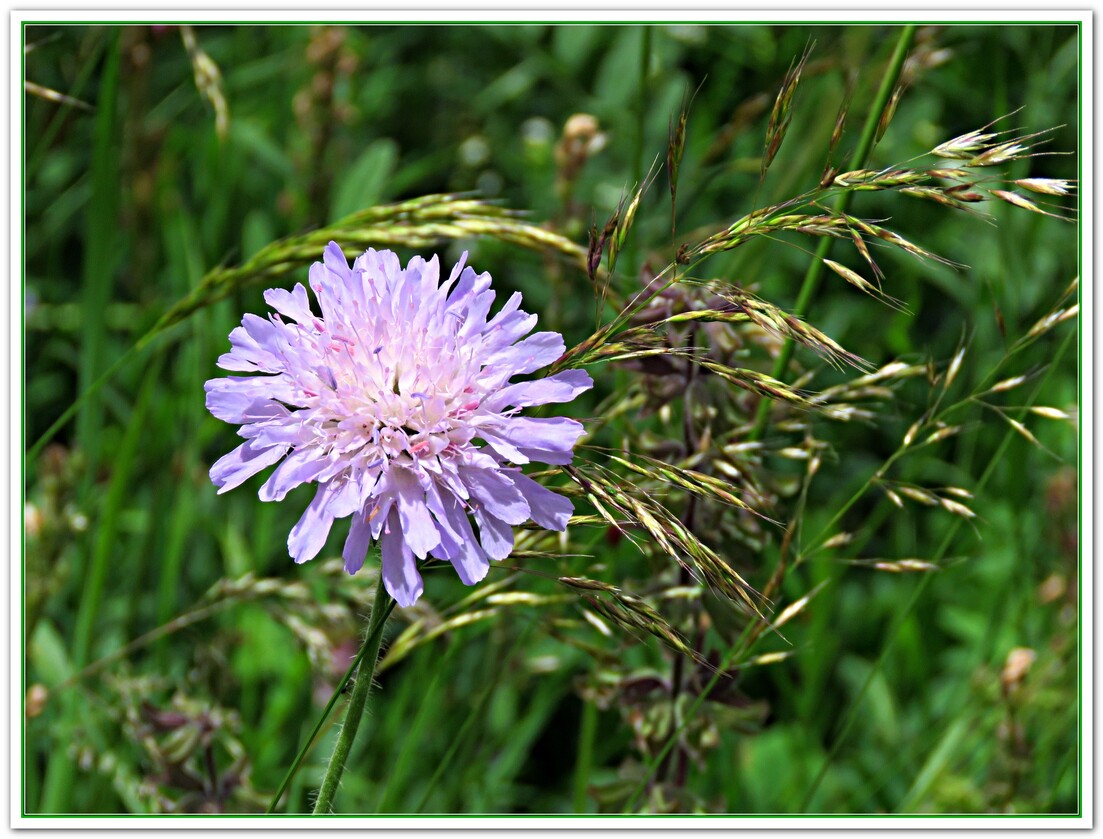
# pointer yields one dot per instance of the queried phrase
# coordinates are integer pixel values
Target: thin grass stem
(893, 633)
(476, 715)
(585, 761)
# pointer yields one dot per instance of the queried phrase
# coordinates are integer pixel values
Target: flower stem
(861, 153)
(369, 653)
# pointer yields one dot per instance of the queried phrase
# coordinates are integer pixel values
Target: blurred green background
(164, 168)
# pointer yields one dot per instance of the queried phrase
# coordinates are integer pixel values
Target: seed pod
(782, 113)
(888, 112)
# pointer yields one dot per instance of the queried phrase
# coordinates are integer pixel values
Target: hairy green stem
(338, 692)
(815, 268)
(369, 653)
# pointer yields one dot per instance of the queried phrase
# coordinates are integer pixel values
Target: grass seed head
(1046, 186)
(905, 565)
(1049, 413)
(782, 114)
(957, 508)
(920, 495)
(1024, 203)
(888, 112)
(964, 146)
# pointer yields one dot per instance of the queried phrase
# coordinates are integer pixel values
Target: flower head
(398, 401)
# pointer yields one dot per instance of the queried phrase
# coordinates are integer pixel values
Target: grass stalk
(585, 761)
(894, 632)
(101, 251)
(811, 282)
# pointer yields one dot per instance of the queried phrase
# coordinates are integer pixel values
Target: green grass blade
(101, 252)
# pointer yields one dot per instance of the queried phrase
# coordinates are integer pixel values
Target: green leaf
(258, 146)
(256, 231)
(48, 655)
(367, 180)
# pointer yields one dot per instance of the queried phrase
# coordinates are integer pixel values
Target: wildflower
(398, 402)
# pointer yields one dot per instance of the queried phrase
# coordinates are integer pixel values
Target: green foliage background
(129, 202)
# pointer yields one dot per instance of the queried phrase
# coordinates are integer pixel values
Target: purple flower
(398, 401)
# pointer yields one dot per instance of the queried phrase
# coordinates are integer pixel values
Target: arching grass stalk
(744, 643)
(815, 268)
(894, 632)
(369, 653)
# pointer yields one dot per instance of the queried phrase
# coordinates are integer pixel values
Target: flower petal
(555, 457)
(529, 355)
(277, 388)
(309, 535)
(503, 447)
(495, 535)
(334, 259)
(496, 494)
(451, 539)
(239, 408)
(400, 574)
(418, 530)
(253, 346)
(301, 466)
(551, 433)
(295, 304)
(233, 469)
(562, 387)
(469, 559)
(357, 543)
(549, 509)
(466, 288)
(378, 516)
(475, 315)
